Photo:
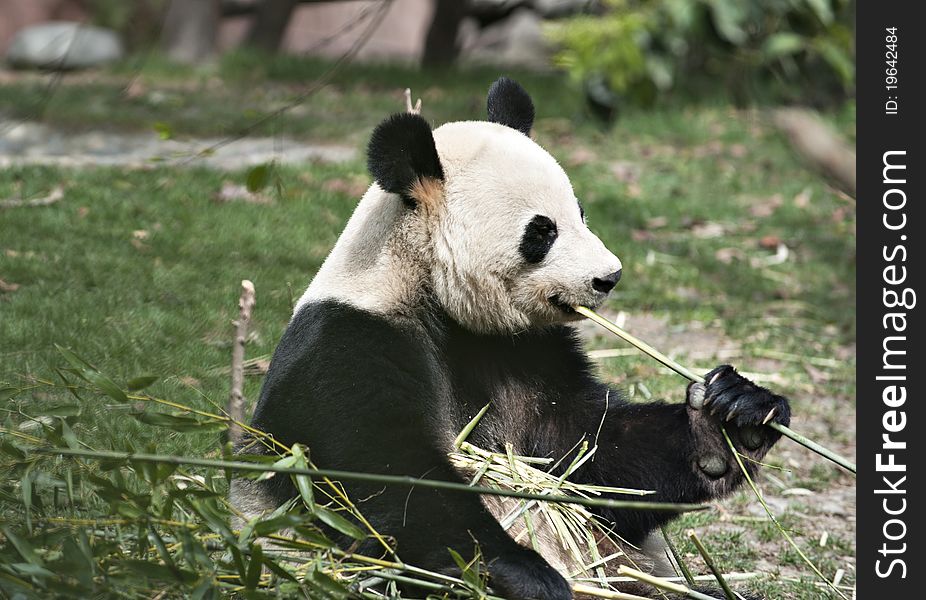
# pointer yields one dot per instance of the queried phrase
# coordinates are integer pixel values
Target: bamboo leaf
(139, 383)
(303, 482)
(258, 177)
(278, 570)
(179, 423)
(93, 375)
(252, 579)
(22, 546)
(339, 523)
(326, 585)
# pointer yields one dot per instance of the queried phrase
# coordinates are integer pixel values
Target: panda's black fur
(372, 393)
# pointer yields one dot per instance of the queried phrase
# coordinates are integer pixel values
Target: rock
(63, 45)
(516, 41)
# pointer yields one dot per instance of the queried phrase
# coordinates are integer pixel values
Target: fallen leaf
(726, 255)
(140, 234)
(802, 199)
(134, 90)
(6, 287)
(231, 192)
(625, 172)
(767, 206)
(657, 222)
(708, 229)
(580, 156)
(353, 187)
(816, 375)
(770, 242)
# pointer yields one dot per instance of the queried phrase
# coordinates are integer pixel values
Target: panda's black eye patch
(539, 236)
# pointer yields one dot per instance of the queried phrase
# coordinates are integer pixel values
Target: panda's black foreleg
(678, 450)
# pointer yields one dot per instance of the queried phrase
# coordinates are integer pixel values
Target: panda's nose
(606, 284)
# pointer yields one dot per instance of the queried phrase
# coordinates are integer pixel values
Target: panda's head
(503, 235)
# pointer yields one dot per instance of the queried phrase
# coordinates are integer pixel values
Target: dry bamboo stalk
(589, 590)
(663, 584)
(236, 397)
(668, 362)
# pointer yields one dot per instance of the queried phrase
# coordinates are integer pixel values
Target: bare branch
(415, 110)
(236, 398)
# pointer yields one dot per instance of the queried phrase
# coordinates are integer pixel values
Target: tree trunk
(440, 45)
(269, 26)
(190, 30)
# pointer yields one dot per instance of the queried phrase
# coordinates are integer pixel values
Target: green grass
(138, 271)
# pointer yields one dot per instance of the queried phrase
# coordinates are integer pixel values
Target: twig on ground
(55, 195)
(236, 397)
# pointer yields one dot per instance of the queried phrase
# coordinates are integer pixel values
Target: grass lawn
(733, 252)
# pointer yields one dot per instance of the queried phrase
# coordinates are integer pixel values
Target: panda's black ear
(509, 104)
(402, 154)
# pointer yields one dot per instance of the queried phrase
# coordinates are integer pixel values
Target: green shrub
(644, 48)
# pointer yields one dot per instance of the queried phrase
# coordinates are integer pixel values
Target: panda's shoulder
(329, 337)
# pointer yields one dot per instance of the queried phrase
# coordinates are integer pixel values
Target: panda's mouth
(563, 306)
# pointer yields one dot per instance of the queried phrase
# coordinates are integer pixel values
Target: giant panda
(452, 286)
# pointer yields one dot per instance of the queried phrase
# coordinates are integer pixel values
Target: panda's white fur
(495, 181)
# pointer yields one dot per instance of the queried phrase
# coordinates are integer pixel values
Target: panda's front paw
(527, 576)
(734, 399)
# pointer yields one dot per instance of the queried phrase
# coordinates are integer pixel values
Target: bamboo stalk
(709, 561)
(663, 584)
(691, 376)
(369, 477)
(686, 573)
(588, 590)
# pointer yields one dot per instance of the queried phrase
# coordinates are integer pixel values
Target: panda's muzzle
(605, 284)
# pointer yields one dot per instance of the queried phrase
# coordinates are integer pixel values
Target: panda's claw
(736, 400)
(769, 416)
(732, 412)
